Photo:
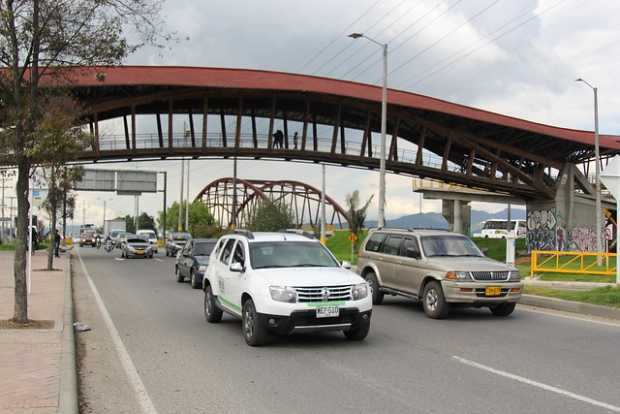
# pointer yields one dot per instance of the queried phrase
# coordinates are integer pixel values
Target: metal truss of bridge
(236, 201)
(232, 112)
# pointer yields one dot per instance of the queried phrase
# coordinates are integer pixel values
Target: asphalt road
(532, 362)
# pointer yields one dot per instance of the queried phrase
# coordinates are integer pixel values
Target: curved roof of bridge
(205, 77)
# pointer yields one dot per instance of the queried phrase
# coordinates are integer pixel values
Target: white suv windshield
(457, 246)
(289, 254)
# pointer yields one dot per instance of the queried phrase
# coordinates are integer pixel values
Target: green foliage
(271, 217)
(130, 226)
(146, 222)
(199, 217)
(607, 296)
(340, 245)
(496, 248)
(206, 231)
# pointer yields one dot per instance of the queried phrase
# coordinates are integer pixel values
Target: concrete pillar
(458, 215)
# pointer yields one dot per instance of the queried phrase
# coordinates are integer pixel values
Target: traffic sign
(352, 237)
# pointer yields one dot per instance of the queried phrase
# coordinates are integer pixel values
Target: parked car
(134, 246)
(175, 242)
(88, 238)
(193, 261)
(278, 283)
(440, 268)
(150, 235)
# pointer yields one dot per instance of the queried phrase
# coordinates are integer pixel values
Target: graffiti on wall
(583, 238)
(543, 231)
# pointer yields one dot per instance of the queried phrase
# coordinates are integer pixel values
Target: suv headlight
(514, 276)
(459, 276)
(359, 291)
(283, 294)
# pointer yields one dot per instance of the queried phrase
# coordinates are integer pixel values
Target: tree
(355, 213)
(199, 217)
(270, 216)
(57, 143)
(145, 222)
(38, 38)
(130, 225)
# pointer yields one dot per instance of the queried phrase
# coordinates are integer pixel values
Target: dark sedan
(136, 247)
(193, 261)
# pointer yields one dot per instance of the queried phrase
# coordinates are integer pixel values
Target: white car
(150, 236)
(279, 283)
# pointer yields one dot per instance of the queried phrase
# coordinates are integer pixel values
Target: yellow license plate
(492, 291)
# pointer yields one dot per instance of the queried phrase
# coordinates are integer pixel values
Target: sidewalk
(30, 359)
(565, 284)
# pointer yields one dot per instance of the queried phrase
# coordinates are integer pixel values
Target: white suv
(279, 283)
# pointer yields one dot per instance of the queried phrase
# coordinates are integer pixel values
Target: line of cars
(279, 283)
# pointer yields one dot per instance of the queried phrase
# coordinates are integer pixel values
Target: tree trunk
(23, 227)
(53, 204)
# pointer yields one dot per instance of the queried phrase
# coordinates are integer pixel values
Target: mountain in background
(437, 221)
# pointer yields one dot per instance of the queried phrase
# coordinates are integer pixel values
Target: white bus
(498, 229)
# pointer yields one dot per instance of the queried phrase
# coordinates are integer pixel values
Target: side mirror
(236, 267)
(346, 265)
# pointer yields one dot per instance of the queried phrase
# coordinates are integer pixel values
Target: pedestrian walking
(295, 140)
(56, 243)
(278, 139)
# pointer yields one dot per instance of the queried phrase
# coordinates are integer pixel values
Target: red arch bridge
(149, 113)
(236, 201)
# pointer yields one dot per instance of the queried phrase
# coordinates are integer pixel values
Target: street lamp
(597, 157)
(384, 46)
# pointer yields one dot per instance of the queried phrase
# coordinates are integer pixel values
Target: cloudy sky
(518, 57)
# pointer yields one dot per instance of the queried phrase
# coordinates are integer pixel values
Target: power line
(349, 44)
(335, 39)
(432, 45)
(483, 43)
(361, 45)
(440, 15)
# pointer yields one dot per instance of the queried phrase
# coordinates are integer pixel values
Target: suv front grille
(323, 294)
(492, 276)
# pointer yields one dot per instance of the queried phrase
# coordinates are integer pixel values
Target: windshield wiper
(270, 267)
(309, 265)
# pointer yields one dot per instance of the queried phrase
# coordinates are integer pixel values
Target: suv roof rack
(244, 232)
(408, 229)
(300, 232)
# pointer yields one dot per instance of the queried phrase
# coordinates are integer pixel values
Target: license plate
(492, 291)
(328, 312)
(139, 252)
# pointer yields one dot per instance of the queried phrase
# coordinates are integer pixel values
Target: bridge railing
(569, 262)
(110, 142)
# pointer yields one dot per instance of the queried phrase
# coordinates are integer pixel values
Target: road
(532, 362)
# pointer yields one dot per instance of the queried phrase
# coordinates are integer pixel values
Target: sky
(516, 57)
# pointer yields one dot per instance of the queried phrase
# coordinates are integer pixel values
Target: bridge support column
(568, 221)
(458, 215)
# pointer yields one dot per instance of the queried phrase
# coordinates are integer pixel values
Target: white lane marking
(538, 384)
(158, 259)
(118, 259)
(565, 315)
(130, 369)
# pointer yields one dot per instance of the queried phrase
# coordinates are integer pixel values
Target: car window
(449, 245)
(265, 255)
(219, 247)
(392, 245)
(239, 255)
(227, 251)
(374, 243)
(202, 249)
(410, 248)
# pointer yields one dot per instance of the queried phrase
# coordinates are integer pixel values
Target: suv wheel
(433, 301)
(180, 277)
(192, 280)
(254, 333)
(504, 309)
(377, 295)
(358, 333)
(213, 314)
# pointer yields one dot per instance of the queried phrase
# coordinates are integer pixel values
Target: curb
(570, 306)
(566, 285)
(68, 398)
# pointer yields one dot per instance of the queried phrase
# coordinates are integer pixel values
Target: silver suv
(440, 268)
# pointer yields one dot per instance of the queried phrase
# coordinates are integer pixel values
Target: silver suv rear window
(374, 243)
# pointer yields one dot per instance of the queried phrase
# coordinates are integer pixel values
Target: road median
(570, 306)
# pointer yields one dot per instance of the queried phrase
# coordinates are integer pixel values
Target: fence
(582, 263)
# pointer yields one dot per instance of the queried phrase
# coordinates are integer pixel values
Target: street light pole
(597, 159)
(384, 46)
(323, 240)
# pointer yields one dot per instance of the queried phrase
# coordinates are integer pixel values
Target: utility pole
(64, 204)
(323, 239)
(181, 196)
(136, 212)
(83, 212)
(104, 208)
(165, 173)
(187, 200)
(234, 200)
